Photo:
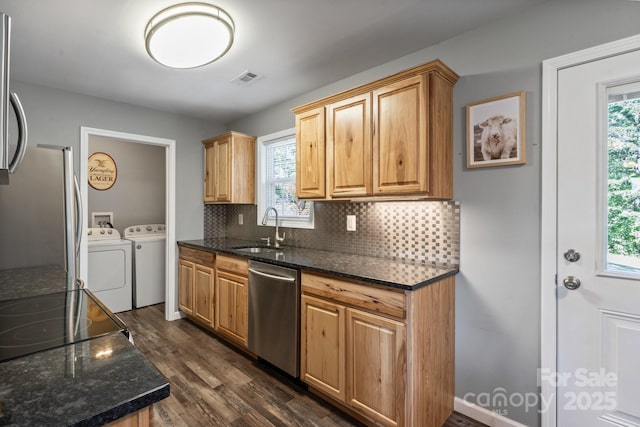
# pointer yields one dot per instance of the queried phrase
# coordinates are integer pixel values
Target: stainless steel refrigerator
(39, 197)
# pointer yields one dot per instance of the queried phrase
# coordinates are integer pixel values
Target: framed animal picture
(496, 131)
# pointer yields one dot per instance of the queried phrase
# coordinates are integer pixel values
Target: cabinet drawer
(233, 264)
(388, 301)
(197, 256)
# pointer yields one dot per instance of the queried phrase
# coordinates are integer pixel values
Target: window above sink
(276, 181)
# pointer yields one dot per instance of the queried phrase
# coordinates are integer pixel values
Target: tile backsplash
(424, 231)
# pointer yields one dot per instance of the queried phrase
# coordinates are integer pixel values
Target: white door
(598, 336)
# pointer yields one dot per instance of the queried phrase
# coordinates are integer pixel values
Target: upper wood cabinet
(400, 146)
(391, 137)
(310, 154)
(229, 162)
(349, 147)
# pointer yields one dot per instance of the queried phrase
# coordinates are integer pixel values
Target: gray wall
(138, 195)
(55, 117)
(498, 288)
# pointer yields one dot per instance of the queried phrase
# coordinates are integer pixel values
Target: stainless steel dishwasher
(274, 315)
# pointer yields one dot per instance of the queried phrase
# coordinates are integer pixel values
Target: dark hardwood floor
(213, 384)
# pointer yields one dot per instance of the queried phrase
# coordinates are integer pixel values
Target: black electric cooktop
(33, 324)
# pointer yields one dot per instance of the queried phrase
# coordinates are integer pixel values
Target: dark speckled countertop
(401, 274)
(33, 281)
(89, 383)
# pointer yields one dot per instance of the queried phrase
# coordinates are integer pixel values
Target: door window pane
(623, 180)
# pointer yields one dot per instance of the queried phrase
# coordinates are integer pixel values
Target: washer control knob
(101, 231)
(137, 228)
(149, 228)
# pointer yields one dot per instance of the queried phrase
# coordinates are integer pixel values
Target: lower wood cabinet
(323, 342)
(196, 285)
(232, 316)
(185, 286)
(203, 280)
(232, 306)
(384, 355)
(213, 291)
(141, 418)
(376, 364)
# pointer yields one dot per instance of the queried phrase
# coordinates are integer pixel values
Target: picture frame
(103, 172)
(496, 131)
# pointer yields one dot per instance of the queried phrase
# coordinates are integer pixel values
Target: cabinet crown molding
(436, 66)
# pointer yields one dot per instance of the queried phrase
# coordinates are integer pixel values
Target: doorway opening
(169, 146)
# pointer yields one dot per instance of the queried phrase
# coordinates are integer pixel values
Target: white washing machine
(110, 275)
(149, 263)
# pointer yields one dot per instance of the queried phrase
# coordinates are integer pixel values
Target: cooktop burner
(33, 324)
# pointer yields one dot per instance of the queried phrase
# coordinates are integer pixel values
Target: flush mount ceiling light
(189, 35)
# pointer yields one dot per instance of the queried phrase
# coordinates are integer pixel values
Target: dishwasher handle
(273, 276)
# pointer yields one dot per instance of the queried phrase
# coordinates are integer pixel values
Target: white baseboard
(176, 315)
(483, 415)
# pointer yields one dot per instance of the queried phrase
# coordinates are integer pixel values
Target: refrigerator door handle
(78, 209)
(22, 133)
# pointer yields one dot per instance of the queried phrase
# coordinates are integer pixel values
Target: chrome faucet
(277, 240)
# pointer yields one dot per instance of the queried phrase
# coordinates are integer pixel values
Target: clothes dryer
(110, 268)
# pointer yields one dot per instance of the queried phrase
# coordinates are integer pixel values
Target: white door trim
(549, 250)
(171, 304)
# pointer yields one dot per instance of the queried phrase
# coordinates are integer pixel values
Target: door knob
(571, 283)
(571, 255)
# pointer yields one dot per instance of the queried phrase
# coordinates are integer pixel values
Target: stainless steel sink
(255, 250)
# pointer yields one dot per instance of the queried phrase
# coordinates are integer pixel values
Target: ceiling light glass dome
(189, 35)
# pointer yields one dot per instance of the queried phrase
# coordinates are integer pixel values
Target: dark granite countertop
(32, 281)
(85, 384)
(89, 383)
(401, 274)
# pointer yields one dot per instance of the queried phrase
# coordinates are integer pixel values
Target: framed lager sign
(103, 171)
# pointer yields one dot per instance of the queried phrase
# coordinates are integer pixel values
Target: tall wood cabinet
(391, 137)
(229, 162)
(383, 354)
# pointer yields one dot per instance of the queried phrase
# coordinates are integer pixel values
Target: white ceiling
(96, 47)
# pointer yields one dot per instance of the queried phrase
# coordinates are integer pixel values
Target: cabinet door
(185, 286)
(376, 363)
(400, 151)
(203, 294)
(322, 342)
(209, 173)
(222, 181)
(231, 306)
(310, 154)
(349, 147)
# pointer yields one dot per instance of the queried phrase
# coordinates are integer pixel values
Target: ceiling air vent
(245, 78)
